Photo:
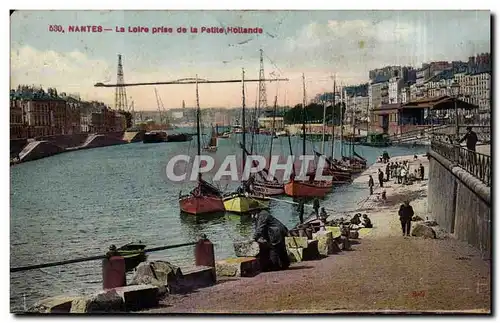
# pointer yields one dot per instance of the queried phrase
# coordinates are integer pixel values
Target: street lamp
(455, 89)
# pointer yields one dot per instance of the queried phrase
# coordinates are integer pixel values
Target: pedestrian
(404, 173)
(270, 231)
(405, 216)
(398, 172)
(388, 171)
(301, 211)
(471, 139)
(371, 184)
(316, 207)
(381, 178)
(421, 172)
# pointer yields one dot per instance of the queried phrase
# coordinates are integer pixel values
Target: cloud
(71, 72)
(352, 47)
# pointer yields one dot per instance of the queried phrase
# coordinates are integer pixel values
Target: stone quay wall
(460, 203)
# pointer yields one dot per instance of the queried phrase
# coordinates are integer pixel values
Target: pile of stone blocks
(301, 249)
(116, 300)
(246, 263)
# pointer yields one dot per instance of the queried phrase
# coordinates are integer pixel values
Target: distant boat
(154, 137)
(212, 144)
(179, 137)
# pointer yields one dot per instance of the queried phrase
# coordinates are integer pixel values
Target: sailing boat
(309, 188)
(355, 162)
(341, 175)
(212, 144)
(263, 186)
(204, 198)
(242, 201)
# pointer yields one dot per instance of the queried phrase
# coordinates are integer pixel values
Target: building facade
(395, 87)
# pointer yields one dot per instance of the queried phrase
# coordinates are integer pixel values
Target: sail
(254, 164)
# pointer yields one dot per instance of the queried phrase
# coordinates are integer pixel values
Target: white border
(145, 4)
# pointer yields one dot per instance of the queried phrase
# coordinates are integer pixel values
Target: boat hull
(268, 189)
(197, 205)
(240, 203)
(305, 189)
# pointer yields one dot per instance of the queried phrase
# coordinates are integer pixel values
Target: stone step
(304, 254)
(326, 244)
(237, 267)
(296, 242)
(194, 277)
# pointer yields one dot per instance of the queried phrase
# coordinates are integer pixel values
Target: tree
(313, 114)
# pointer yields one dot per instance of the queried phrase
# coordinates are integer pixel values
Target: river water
(78, 203)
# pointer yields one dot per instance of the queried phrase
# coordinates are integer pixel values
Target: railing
(475, 163)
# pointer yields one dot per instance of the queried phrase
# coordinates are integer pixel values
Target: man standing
(405, 216)
(471, 138)
(388, 171)
(301, 211)
(371, 184)
(421, 172)
(316, 207)
(381, 178)
(270, 230)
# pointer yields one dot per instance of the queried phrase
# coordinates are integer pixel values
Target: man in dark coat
(371, 184)
(388, 171)
(316, 207)
(273, 232)
(381, 178)
(421, 172)
(471, 139)
(301, 211)
(405, 216)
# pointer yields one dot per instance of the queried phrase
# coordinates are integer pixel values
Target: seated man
(366, 222)
(355, 220)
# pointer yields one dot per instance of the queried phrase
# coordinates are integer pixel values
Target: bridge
(459, 195)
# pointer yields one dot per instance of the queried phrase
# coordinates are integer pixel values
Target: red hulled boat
(204, 198)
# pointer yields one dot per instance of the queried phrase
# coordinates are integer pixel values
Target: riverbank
(385, 271)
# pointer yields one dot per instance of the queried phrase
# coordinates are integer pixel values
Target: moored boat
(268, 188)
(179, 137)
(244, 203)
(297, 188)
(154, 137)
(204, 198)
(133, 253)
(212, 144)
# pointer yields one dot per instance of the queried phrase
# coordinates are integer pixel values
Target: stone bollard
(204, 254)
(113, 272)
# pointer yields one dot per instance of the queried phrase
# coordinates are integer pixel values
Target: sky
(319, 44)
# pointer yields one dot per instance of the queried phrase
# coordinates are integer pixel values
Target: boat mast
(323, 137)
(333, 120)
(243, 117)
(353, 124)
(341, 121)
(198, 136)
(158, 105)
(304, 115)
(273, 128)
